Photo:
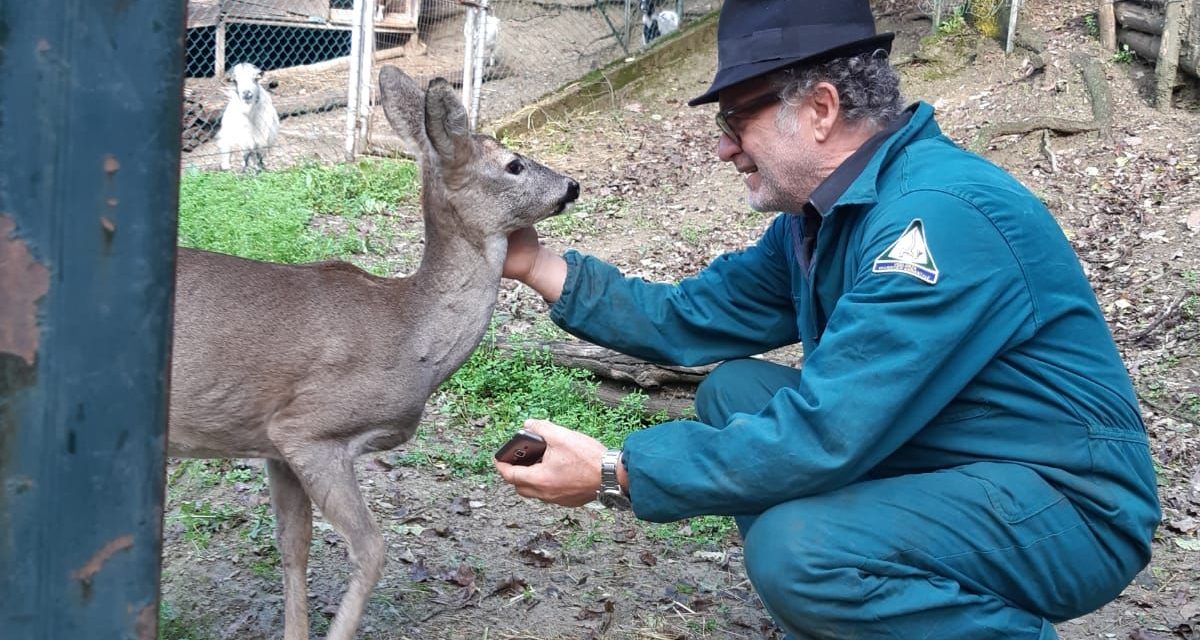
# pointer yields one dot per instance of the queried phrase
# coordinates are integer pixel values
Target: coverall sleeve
(739, 305)
(895, 351)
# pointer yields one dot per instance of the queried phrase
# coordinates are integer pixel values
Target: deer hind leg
(293, 535)
(327, 471)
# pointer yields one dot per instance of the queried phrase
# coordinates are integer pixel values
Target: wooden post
(470, 42)
(219, 62)
(1108, 25)
(358, 94)
(1168, 55)
(480, 55)
(219, 50)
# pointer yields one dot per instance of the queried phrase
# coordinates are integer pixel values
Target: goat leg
(293, 535)
(327, 471)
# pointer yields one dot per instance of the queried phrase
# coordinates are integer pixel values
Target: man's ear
(826, 106)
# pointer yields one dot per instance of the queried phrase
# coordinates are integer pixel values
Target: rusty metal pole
(90, 100)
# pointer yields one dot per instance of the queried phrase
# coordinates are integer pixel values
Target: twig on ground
(1168, 312)
(1157, 406)
(1048, 151)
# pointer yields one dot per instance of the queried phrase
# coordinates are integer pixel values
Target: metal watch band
(611, 494)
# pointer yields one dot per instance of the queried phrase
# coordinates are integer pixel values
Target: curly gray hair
(868, 86)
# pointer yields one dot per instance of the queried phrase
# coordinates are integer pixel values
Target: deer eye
(515, 167)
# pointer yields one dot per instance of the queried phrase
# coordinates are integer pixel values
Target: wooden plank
(1168, 55)
(1108, 25)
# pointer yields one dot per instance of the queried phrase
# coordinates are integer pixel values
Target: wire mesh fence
(319, 60)
(304, 49)
(542, 45)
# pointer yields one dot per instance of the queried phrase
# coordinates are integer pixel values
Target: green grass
(501, 390)
(172, 626)
(267, 216)
(202, 519)
(708, 531)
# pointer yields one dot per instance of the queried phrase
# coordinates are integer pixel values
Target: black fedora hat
(755, 37)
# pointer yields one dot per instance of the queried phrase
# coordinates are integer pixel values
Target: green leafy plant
(1124, 56)
(1091, 25)
(201, 520)
(953, 25)
(707, 531)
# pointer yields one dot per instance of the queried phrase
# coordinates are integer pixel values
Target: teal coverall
(961, 455)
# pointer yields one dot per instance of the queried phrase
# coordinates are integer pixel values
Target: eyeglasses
(743, 110)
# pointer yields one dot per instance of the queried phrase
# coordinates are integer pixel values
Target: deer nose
(572, 190)
(247, 95)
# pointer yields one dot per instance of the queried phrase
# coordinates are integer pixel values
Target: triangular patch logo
(909, 255)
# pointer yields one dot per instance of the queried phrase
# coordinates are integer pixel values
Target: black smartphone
(524, 449)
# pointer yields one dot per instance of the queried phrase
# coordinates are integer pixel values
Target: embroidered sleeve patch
(909, 255)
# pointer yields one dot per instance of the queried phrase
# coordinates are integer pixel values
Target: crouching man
(961, 455)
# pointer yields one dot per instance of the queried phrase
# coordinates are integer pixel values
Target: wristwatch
(610, 493)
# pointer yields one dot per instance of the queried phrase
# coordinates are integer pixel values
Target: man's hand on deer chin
(523, 248)
(569, 473)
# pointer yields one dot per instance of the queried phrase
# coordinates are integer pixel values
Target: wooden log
(613, 365)
(1168, 56)
(1147, 46)
(1098, 93)
(1139, 17)
(1108, 25)
(311, 103)
(1097, 86)
(675, 405)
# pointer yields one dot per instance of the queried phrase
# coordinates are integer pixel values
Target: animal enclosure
(501, 56)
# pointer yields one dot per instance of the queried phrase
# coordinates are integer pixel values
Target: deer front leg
(327, 471)
(293, 535)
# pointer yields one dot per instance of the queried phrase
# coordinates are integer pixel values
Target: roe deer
(312, 365)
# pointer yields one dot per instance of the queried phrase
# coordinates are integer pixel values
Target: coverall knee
(981, 551)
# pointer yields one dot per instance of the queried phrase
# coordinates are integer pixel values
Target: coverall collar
(853, 182)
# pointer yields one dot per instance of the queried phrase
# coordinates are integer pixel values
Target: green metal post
(90, 98)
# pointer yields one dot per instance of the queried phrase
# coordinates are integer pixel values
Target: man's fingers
(544, 428)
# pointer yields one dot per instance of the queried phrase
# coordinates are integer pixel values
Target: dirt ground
(470, 559)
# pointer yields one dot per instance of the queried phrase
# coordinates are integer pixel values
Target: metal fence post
(362, 57)
(90, 97)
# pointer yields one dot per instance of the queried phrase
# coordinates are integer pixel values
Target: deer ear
(446, 123)
(404, 105)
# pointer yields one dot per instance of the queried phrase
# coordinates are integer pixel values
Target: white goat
(491, 32)
(656, 23)
(249, 123)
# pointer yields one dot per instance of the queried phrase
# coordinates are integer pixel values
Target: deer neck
(455, 288)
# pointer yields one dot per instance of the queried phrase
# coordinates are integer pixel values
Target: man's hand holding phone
(568, 472)
(523, 449)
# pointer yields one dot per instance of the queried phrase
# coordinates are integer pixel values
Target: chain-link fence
(309, 52)
(320, 61)
(540, 46)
